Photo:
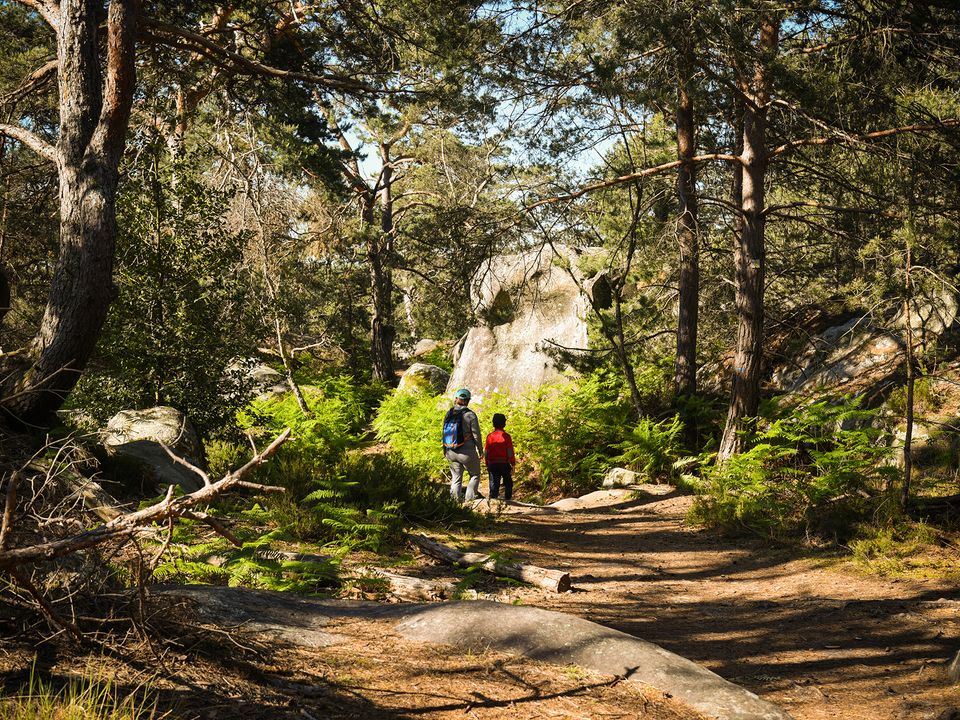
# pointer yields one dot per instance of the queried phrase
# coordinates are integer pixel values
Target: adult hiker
(462, 446)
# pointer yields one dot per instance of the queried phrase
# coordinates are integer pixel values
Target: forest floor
(810, 634)
(814, 635)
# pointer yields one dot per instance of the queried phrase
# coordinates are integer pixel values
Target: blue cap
(463, 394)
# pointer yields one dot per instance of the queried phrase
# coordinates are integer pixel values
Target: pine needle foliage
(814, 468)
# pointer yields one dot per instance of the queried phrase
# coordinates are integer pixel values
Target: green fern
(652, 448)
(814, 468)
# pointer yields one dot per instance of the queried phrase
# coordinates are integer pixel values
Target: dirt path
(820, 640)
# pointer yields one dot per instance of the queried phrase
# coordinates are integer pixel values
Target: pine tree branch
(34, 142)
(165, 33)
(876, 135)
(47, 10)
(630, 177)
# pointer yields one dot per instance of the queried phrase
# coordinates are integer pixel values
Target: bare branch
(30, 83)
(630, 177)
(808, 142)
(34, 142)
(47, 10)
(217, 526)
(190, 466)
(8, 509)
(130, 524)
(51, 612)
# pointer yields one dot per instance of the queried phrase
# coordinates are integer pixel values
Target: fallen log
(411, 588)
(553, 580)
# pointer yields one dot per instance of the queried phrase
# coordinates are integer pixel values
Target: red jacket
(499, 448)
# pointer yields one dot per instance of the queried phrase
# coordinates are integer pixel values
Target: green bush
(815, 468)
(411, 424)
(563, 434)
(652, 448)
(318, 439)
(438, 356)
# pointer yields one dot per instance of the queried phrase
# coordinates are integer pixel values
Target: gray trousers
(465, 458)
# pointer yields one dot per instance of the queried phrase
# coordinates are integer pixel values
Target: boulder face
(528, 303)
(853, 351)
(859, 354)
(140, 434)
(424, 378)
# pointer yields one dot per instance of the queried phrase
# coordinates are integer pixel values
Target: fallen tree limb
(131, 523)
(553, 580)
(411, 588)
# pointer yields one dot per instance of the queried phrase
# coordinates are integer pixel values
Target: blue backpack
(453, 429)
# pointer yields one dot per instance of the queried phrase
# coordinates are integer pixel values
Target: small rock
(620, 477)
(424, 378)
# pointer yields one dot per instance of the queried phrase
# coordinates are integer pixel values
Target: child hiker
(499, 458)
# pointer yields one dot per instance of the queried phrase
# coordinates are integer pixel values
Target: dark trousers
(501, 472)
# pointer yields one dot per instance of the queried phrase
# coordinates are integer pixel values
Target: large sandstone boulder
(859, 353)
(856, 350)
(424, 378)
(141, 434)
(529, 304)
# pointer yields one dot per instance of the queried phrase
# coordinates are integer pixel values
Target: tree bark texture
(379, 253)
(911, 379)
(749, 253)
(94, 113)
(685, 367)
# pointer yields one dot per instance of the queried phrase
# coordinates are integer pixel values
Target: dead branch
(554, 580)
(51, 612)
(8, 510)
(130, 524)
(217, 526)
(410, 588)
(189, 465)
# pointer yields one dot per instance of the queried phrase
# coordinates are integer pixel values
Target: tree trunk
(380, 251)
(94, 113)
(911, 378)
(749, 254)
(685, 367)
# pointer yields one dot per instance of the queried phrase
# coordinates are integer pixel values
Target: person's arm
(473, 423)
(511, 458)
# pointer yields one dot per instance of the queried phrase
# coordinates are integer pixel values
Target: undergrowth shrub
(563, 434)
(255, 564)
(410, 423)
(812, 468)
(318, 439)
(652, 448)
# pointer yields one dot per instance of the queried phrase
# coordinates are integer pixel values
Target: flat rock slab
(283, 618)
(539, 634)
(564, 639)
